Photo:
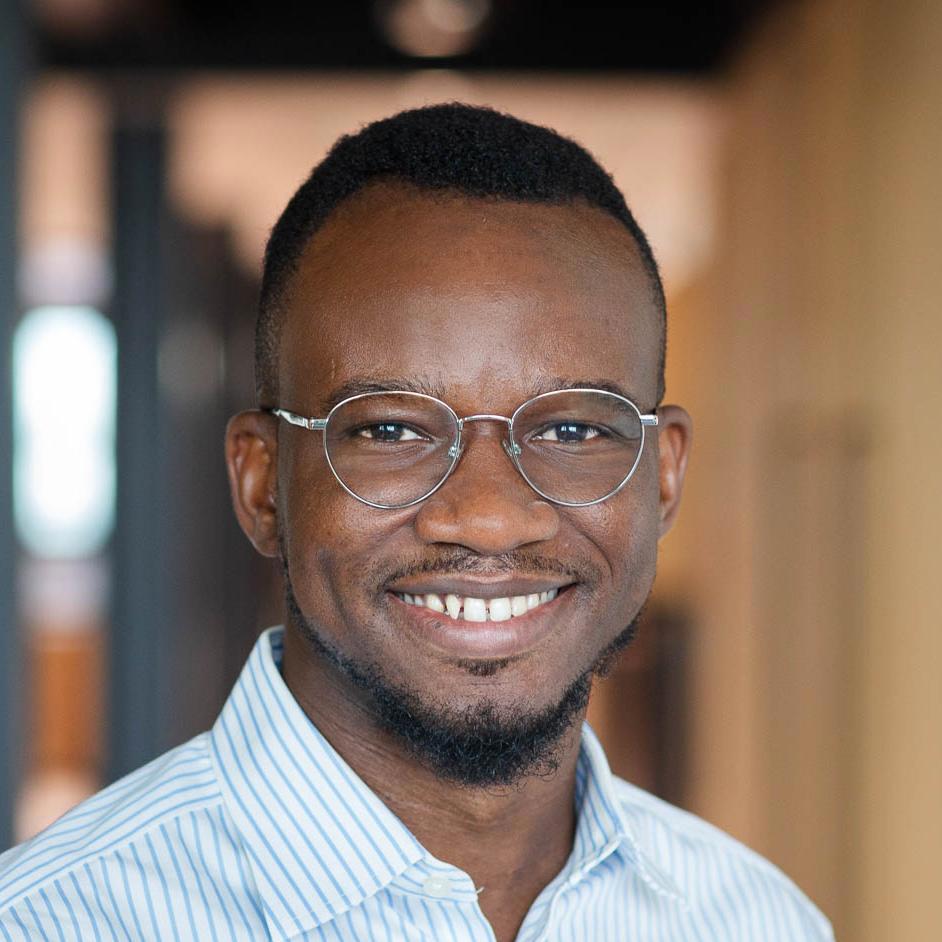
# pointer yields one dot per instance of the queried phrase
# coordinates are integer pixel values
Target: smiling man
(462, 461)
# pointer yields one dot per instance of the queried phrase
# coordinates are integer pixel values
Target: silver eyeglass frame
(511, 448)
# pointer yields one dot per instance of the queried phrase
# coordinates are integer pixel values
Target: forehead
(480, 299)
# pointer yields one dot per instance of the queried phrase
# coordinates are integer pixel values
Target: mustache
(576, 568)
(518, 562)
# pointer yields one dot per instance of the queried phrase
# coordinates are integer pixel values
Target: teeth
(499, 609)
(475, 609)
(478, 610)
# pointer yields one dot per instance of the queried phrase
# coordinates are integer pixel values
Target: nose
(486, 505)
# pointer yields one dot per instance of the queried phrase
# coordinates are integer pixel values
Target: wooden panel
(67, 684)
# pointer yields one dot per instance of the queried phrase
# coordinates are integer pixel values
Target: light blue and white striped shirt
(259, 830)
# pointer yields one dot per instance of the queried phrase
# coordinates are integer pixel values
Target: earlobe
(675, 431)
(251, 460)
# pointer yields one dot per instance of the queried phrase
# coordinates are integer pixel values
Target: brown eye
(388, 432)
(568, 433)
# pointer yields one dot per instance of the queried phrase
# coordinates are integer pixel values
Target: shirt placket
(542, 923)
(443, 897)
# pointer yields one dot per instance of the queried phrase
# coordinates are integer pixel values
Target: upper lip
(480, 588)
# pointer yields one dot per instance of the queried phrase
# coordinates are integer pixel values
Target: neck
(510, 840)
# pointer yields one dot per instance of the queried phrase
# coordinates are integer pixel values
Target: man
(462, 462)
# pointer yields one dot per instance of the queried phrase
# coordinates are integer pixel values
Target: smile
(468, 608)
(483, 617)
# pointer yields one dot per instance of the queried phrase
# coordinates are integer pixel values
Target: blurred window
(64, 375)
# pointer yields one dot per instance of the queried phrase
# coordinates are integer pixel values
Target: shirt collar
(320, 842)
(317, 839)
(603, 828)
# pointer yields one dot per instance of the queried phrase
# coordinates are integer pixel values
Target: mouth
(483, 626)
(471, 608)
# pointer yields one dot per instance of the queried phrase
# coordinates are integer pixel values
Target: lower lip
(483, 639)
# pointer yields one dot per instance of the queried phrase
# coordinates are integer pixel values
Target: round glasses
(390, 450)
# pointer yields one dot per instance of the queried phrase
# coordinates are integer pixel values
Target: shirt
(258, 829)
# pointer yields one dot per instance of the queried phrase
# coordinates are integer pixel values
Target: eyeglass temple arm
(649, 420)
(299, 420)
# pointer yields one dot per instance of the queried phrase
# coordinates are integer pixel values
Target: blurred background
(784, 158)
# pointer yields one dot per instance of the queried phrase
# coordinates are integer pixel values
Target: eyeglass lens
(394, 448)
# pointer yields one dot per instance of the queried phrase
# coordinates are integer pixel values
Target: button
(437, 885)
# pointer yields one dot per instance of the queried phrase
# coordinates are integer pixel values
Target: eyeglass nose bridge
(510, 447)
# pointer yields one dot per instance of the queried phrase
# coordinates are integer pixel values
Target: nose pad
(512, 449)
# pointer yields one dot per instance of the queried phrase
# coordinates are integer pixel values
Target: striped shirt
(258, 829)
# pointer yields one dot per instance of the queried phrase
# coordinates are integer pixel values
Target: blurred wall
(243, 144)
(811, 356)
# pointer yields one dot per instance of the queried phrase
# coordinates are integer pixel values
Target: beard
(482, 745)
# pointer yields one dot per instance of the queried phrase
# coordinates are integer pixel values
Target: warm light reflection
(433, 28)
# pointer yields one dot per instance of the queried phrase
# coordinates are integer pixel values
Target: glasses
(391, 450)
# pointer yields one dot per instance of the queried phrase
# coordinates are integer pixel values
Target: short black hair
(469, 150)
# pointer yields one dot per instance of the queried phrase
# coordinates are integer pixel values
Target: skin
(491, 301)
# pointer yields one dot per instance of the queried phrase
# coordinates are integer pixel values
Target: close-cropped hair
(469, 150)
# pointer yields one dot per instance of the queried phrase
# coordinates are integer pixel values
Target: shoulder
(54, 871)
(721, 878)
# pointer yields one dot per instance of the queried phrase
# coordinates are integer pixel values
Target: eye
(387, 432)
(569, 432)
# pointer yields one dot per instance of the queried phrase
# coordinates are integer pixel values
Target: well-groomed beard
(482, 745)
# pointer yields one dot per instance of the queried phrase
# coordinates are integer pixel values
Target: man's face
(487, 303)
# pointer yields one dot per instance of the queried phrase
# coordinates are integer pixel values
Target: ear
(252, 462)
(674, 434)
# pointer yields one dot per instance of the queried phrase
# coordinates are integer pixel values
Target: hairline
(272, 302)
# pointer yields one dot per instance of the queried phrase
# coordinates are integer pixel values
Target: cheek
(629, 542)
(625, 531)
(329, 538)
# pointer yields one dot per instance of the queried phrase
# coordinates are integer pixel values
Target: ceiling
(667, 37)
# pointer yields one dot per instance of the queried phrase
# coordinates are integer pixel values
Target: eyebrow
(358, 385)
(558, 382)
